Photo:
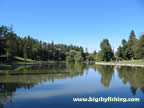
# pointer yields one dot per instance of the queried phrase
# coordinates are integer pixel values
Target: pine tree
(139, 48)
(131, 43)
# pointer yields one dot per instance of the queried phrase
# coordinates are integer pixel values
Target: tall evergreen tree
(139, 48)
(3, 35)
(131, 43)
(11, 44)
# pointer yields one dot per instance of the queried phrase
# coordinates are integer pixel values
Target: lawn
(135, 62)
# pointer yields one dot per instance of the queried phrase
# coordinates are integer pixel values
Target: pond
(57, 85)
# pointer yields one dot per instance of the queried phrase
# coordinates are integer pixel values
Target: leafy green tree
(119, 53)
(69, 59)
(99, 56)
(91, 56)
(106, 53)
(74, 56)
(78, 57)
(122, 51)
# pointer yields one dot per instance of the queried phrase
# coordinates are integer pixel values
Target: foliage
(122, 51)
(139, 48)
(91, 56)
(69, 59)
(29, 48)
(78, 58)
(106, 53)
(12, 45)
(126, 51)
(74, 56)
(131, 42)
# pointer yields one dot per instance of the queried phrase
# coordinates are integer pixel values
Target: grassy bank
(138, 63)
(21, 61)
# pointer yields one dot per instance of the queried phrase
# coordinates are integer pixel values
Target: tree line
(12, 45)
(130, 49)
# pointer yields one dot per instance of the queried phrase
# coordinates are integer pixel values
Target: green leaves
(74, 56)
(139, 48)
(126, 51)
(106, 53)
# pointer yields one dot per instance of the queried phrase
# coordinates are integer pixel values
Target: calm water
(56, 85)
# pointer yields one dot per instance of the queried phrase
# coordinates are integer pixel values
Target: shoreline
(8, 66)
(119, 64)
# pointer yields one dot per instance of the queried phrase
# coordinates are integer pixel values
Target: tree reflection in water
(132, 75)
(106, 74)
(28, 76)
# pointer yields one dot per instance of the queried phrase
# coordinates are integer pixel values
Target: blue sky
(78, 22)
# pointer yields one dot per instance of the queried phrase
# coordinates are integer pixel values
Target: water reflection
(27, 77)
(132, 75)
(106, 74)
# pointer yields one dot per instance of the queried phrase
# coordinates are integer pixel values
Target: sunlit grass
(136, 62)
(22, 59)
(139, 62)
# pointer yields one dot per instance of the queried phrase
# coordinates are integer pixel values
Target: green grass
(17, 61)
(22, 59)
(136, 62)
